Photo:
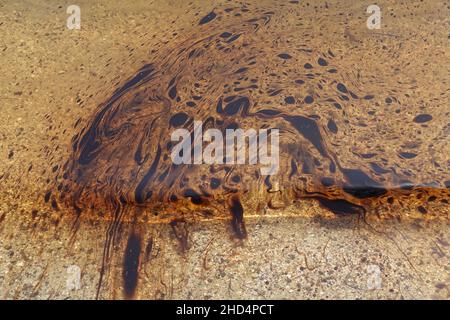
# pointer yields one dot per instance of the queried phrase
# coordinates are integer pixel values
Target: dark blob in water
(361, 185)
(139, 192)
(332, 126)
(308, 128)
(289, 100)
(285, 56)
(377, 169)
(178, 119)
(47, 196)
(269, 112)
(327, 182)
(144, 73)
(342, 88)
(341, 206)
(422, 118)
(215, 183)
(422, 210)
(225, 35)
(408, 155)
(131, 265)
(89, 149)
(322, 62)
(237, 105)
(209, 17)
(309, 99)
(195, 197)
(173, 92)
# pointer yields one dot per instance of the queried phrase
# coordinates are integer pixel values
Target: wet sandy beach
(362, 190)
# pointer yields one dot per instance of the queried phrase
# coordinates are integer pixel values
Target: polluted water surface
(272, 118)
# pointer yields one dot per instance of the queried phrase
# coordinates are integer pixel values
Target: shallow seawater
(351, 137)
(356, 121)
(354, 136)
